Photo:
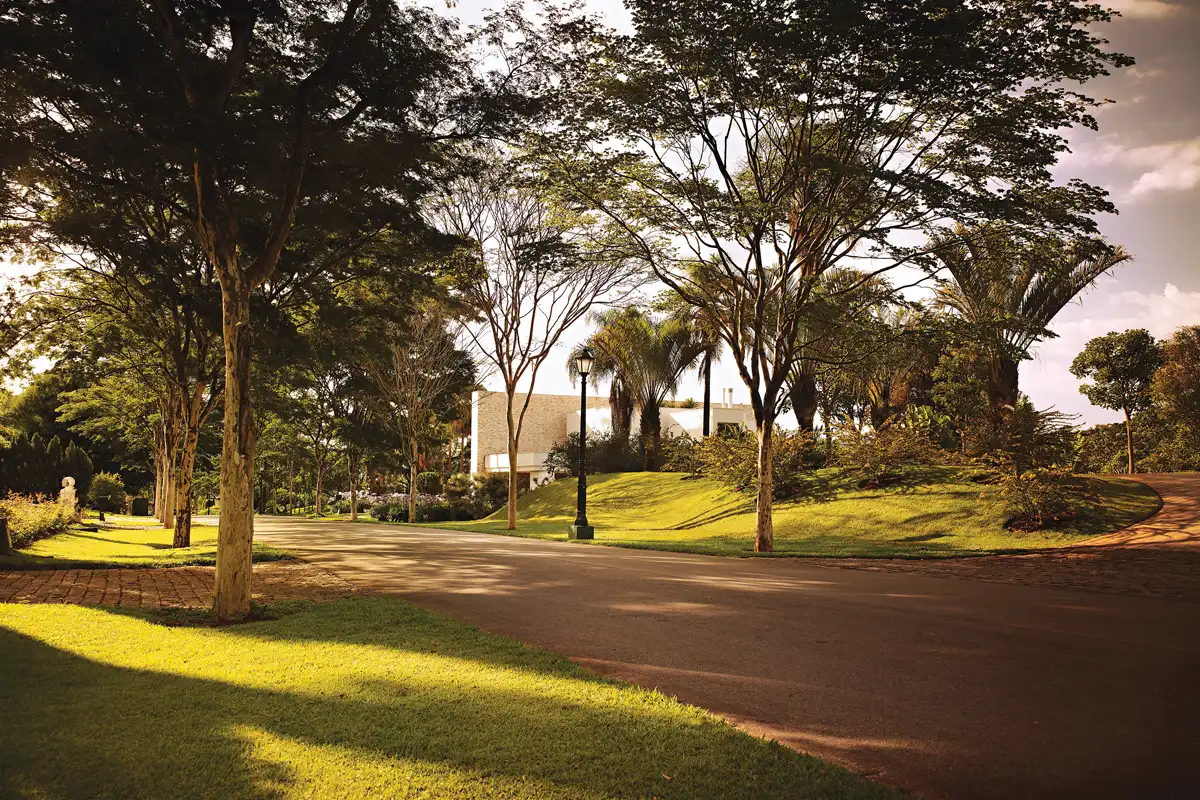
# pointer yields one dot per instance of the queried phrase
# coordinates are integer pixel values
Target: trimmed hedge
(34, 517)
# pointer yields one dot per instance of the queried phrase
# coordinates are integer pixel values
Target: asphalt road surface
(950, 688)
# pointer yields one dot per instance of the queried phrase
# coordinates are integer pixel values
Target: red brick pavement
(175, 587)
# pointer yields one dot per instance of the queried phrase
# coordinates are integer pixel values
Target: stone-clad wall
(545, 423)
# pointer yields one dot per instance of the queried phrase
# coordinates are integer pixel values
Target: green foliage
(681, 454)
(34, 517)
(1121, 367)
(879, 454)
(1176, 386)
(490, 491)
(382, 512)
(108, 492)
(1030, 438)
(32, 466)
(429, 483)
(1037, 498)
(732, 460)
(606, 452)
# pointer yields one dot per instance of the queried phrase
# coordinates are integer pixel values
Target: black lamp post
(581, 529)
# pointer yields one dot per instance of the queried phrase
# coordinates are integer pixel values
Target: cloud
(1145, 9)
(1170, 166)
(1048, 380)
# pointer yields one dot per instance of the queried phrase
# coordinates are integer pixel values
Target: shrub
(605, 453)
(34, 517)
(1036, 498)
(382, 512)
(680, 454)
(879, 453)
(732, 459)
(429, 483)
(108, 492)
(435, 512)
(490, 492)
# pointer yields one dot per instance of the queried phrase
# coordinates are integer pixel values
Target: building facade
(552, 417)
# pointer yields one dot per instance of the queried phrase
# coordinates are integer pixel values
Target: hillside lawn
(932, 512)
(133, 542)
(362, 697)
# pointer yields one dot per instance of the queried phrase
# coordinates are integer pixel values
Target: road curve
(950, 688)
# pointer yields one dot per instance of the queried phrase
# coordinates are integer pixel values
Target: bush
(879, 453)
(680, 454)
(1038, 497)
(382, 512)
(490, 492)
(108, 492)
(429, 483)
(732, 459)
(34, 517)
(605, 453)
(435, 512)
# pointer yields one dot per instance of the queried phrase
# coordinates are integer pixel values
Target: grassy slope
(364, 697)
(130, 542)
(936, 512)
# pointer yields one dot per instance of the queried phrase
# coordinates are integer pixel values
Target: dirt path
(952, 688)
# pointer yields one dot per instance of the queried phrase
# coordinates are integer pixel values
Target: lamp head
(583, 362)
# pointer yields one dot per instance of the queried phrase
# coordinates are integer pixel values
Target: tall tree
(539, 270)
(417, 371)
(774, 140)
(648, 354)
(277, 114)
(1121, 367)
(1010, 290)
(1176, 386)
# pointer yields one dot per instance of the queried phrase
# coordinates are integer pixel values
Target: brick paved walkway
(175, 587)
(1159, 557)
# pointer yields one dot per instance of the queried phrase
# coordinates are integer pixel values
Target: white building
(551, 417)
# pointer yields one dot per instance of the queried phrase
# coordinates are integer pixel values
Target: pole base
(582, 532)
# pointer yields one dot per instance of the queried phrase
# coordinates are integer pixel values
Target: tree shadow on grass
(399, 724)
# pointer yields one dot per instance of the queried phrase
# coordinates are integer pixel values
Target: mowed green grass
(135, 543)
(934, 511)
(363, 697)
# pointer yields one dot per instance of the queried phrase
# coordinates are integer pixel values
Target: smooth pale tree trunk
(235, 536)
(512, 460)
(319, 506)
(1129, 441)
(353, 460)
(167, 517)
(186, 469)
(764, 526)
(804, 402)
(158, 483)
(291, 487)
(412, 483)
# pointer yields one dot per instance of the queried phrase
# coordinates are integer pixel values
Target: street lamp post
(581, 529)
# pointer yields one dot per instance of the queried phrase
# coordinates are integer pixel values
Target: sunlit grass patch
(365, 697)
(934, 511)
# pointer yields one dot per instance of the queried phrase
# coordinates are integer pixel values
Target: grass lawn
(363, 697)
(133, 542)
(936, 511)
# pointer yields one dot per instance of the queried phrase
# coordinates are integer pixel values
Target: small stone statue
(67, 495)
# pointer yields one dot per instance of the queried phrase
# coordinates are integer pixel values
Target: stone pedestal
(582, 532)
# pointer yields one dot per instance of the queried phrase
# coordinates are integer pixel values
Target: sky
(1146, 154)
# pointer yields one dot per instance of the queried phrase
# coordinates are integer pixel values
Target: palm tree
(1009, 290)
(646, 355)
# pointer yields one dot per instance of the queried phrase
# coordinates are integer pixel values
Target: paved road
(951, 688)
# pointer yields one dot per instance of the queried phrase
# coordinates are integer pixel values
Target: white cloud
(1048, 379)
(1169, 166)
(1145, 9)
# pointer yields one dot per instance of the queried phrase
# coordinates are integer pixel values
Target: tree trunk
(1003, 377)
(235, 537)
(512, 462)
(183, 487)
(1129, 441)
(651, 429)
(412, 484)
(804, 401)
(707, 427)
(318, 504)
(167, 517)
(353, 463)
(291, 487)
(764, 527)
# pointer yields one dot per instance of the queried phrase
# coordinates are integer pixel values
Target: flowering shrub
(34, 517)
